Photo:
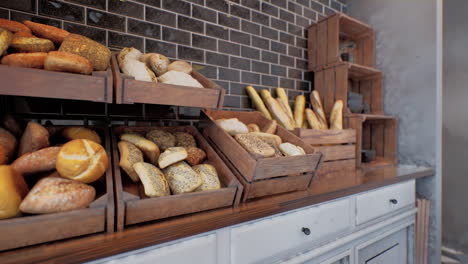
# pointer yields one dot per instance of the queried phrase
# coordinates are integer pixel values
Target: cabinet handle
(306, 231)
(394, 201)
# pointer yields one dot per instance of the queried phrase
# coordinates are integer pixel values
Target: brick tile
(190, 24)
(240, 11)
(281, 3)
(175, 35)
(161, 17)
(270, 9)
(187, 53)
(270, 57)
(287, 83)
(203, 42)
(269, 33)
(217, 59)
(296, 30)
(95, 34)
(126, 8)
(204, 13)
(4, 13)
(239, 88)
(240, 37)
(177, 6)
(207, 70)
(260, 42)
(286, 38)
(229, 74)
(278, 47)
(295, 8)
(105, 20)
(231, 101)
(61, 10)
(286, 61)
(119, 40)
(217, 31)
(162, 47)
(143, 28)
(304, 2)
(269, 80)
(156, 3)
(228, 47)
(316, 6)
(250, 78)
(310, 14)
(228, 21)
(250, 27)
(218, 5)
(251, 3)
(288, 16)
(260, 67)
(250, 53)
(22, 5)
(258, 17)
(301, 64)
(293, 73)
(301, 21)
(239, 63)
(293, 51)
(279, 24)
(329, 11)
(301, 43)
(278, 70)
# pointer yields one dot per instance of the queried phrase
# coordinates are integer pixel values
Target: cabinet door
(387, 257)
(391, 249)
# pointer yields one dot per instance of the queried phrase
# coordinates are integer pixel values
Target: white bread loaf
(154, 181)
(233, 126)
(171, 156)
(289, 149)
(179, 78)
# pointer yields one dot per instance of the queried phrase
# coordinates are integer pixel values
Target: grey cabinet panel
(391, 249)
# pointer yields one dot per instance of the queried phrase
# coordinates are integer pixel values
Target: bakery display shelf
(30, 230)
(133, 206)
(96, 87)
(130, 91)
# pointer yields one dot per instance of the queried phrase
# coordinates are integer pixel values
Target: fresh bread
(195, 155)
(259, 104)
(336, 116)
(5, 40)
(34, 138)
(254, 145)
(271, 128)
(313, 120)
(163, 139)
(156, 62)
(268, 138)
(154, 181)
(37, 161)
(12, 125)
(299, 108)
(13, 189)
(253, 128)
(56, 194)
(72, 133)
(180, 66)
(285, 108)
(179, 78)
(149, 149)
(23, 34)
(98, 54)
(317, 106)
(276, 110)
(128, 53)
(182, 178)
(7, 146)
(233, 126)
(281, 93)
(82, 160)
(25, 60)
(31, 44)
(289, 149)
(13, 26)
(129, 156)
(57, 35)
(67, 62)
(184, 140)
(171, 156)
(209, 176)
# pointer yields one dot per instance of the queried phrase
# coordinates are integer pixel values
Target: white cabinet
(389, 249)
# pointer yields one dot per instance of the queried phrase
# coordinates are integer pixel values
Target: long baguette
(282, 95)
(336, 116)
(276, 110)
(318, 107)
(258, 101)
(299, 107)
(313, 120)
(284, 107)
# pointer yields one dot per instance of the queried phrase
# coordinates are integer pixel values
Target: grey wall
(455, 137)
(406, 53)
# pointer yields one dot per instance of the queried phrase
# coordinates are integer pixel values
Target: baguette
(299, 108)
(149, 149)
(154, 181)
(67, 62)
(317, 106)
(57, 35)
(253, 128)
(32, 44)
(209, 177)
(129, 156)
(13, 26)
(98, 54)
(7, 146)
(282, 95)
(271, 128)
(313, 120)
(5, 40)
(285, 107)
(37, 161)
(336, 116)
(259, 104)
(26, 60)
(276, 110)
(171, 156)
(254, 145)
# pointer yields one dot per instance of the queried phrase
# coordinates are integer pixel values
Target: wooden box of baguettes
(97, 217)
(130, 91)
(261, 176)
(134, 206)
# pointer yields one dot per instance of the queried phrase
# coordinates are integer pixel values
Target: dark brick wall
(234, 42)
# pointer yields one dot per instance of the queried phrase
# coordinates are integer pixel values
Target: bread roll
(23, 34)
(171, 156)
(149, 149)
(13, 26)
(269, 138)
(31, 44)
(233, 126)
(128, 53)
(37, 161)
(156, 62)
(57, 35)
(5, 40)
(154, 181)
(209, 177)
(317, 106)
(129, 156)
(7, 146)
(313, 120)
(195, 155)
(98, 54)
(12, 190)
(299, 108)
(179, 78)
(259, 104)
(163, 139)
(25, 60)
(71, 133)
(271, 128)
(34, 138)
(56, 194)
(12, 125)
(253, 128)
(289, 149)
(336, 116)
(67, 62)
(82, 160)
(184, 140)
(180, 66)
(255, 145)
(182, 178)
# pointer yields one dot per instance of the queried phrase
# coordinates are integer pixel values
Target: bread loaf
(149, 149)
(179, 78)
(154, 181)
(233, 126)
(180, 66)
(13, 26)
(37, 161)
(67, 62)
(5, 40)
(259, 104)
(82, 160)
(254, 145)
(7, 146)
(31, 44)
(12, 190)
(25, 60)
(72, 133)
(128, 53)
(34, 138)
(268, 138)
(289, 149)
(23, 34)
(98, 54)
(313, 120)
(276, 111)
(209, 176)
(281, 93)
(129, 156)
(55, 194)
(317, 106)
(271, 128)
(299, 108)
(12, 125)
(163, 139)
(184, 140)
(285, 108)
(336, 116)
(182, 178)
(57, 35)
(156, 62)
(253, 128)
(171, 156)
(195, 155)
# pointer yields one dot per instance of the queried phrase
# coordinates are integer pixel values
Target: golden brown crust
(184, 140)
(34, 138)
(37, 161)
(195, 155)
(12, 190)
(32, 44)
(67, 62)
(26, 34)
(71, 133)
(7, 146)
(98, 54)
(5, 40)
(25, 60)
(13, 26)
(129, 155)
(57, 35)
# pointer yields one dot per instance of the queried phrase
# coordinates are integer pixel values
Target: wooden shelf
(360, 72)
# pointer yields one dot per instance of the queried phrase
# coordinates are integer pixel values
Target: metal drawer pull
(306, 231)
(394, 201)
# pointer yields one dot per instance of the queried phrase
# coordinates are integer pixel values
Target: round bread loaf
(34, 138)
(163, 139)
(82, 160)
(184, 140)
(195, 155)
(209, 177)
(72, 133)
(156, 62)
(37, 161)
(180, 66)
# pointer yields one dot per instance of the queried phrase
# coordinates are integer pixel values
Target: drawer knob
(394, 201)
(306, 231)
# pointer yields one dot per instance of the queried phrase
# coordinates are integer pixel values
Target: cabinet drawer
(383, 201)
(257, 241)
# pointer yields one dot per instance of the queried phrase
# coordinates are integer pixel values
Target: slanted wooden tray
(130, 91)
(98, 217)
(134, 207)
(96, 87)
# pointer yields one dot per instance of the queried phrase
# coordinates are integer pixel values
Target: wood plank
(319, 83)
(368, 48)
(312, 47)
(322, 43)
(390, 140)
(355, 122)
(377, 95)
(333, 40)
(282, 166)
(328, 96)
(341, 85)
(330, 136)
(338, 152)
(378, 138)
(338, 165)
(366, 136)
(279, 185)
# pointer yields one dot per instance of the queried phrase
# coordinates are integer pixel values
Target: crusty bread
(162, 138)
(149, 149)
(271, 128)
(184, 140)
(12, 190)
(98, 54)
(317, 106)
(195, 155)
(289, 149)
(268, 138)
(37, 161)
(56, 194)
(154, 181)
(171, 156)
(13, 26)
(258, 102)
(209, 177)
(129, 155)
(23, 34)
(5, 40)
(13, 125)
(253, 128)
(233, 126)
(336, 116)
(25, 60)
(34, 138)
(57, 35)
(179, 78)
(128, 53)
(180, 66)
(182, 178)
(31, 44)
(71, 133)
(158, 63)
(7, 146)
(129, 63)
(67, 62)
(82, 160)
(254, 145)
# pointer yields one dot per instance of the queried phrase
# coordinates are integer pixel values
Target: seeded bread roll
(255, 145)
(25, 60)
(57, 35)
(269, 138)
(184, 140)
(154, 181)
(195, 155)
(182, 178)
(209, 177)
(31, 44)
(37, 161)
(7, 146)
(289, 149)
(98, 54)
(156, 62)
(171, 156)
(163, 139)
(71, 133)
(149, 149)
(233, 126)
(34, 138)
(129, 156)
(67, 62)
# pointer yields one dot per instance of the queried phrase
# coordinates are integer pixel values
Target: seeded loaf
(149, 149)
(31, 44)
(154, 181)
(268, 138)
(163, 139)
(209, 177)
(184, 140)
(254, 145)
(98, 54)
(182, 178)
(129, 156)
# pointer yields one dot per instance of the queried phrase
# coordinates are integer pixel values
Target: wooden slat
(377, 138)
(338, 165)
(368, 50)
(338, 152)
(355, 123)
(322, 43)
(312, 47)
(366, 136)
(333, 40)
(341, 85)
(331, 136)
(377, 95)
(390, 140)
(319, 83)
(328, 96)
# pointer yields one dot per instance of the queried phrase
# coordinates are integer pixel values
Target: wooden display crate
(325, 38)
(375, 132)
(133, 206)
(98, 217)
(96, 87)
(335, 82)
(261, 176)
(130, 91)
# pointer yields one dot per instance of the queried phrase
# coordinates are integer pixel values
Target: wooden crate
(375, 132)
(35, 229)
(335, 82)
(96, 87)
(326, 35)
(133, 206)
(129, 91)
